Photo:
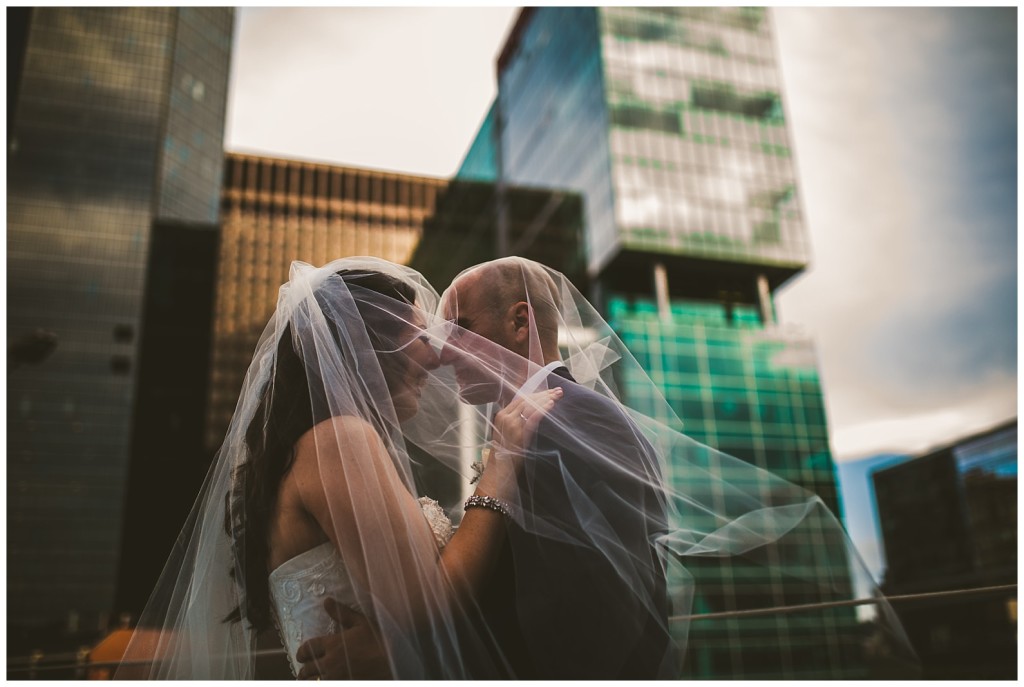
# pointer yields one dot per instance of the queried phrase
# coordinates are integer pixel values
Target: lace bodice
(299, 586)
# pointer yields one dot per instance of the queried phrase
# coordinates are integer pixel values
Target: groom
(590, 603)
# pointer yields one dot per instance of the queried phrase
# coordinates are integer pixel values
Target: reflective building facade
(116, 125)
(545, 225)
(752, 392)
(276, 211)
(949, 522)
(677, 130)
(669, 124)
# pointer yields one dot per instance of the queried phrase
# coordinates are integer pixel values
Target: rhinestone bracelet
(488, 502)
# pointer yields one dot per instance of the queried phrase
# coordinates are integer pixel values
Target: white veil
(330, 369)
(631, 557)
(603, 562)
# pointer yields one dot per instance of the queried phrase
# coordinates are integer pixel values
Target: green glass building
(752, 392)
(669, 123)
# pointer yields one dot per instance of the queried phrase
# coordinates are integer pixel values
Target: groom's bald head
(516, 293)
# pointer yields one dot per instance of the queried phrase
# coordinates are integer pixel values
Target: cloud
(911, 293)
(914, 431)
(391, 88)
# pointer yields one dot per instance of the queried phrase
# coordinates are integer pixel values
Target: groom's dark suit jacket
(560, 608)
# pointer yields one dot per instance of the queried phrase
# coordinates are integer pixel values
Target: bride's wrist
(479, 500)
(501, 491)
(497, 481)
(509, 459)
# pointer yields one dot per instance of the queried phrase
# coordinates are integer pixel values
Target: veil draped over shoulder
(331, 369)
(621, 532)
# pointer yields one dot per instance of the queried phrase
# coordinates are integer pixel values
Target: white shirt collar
(537, 378)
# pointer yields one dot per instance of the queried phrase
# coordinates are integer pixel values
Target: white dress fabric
(299, 586)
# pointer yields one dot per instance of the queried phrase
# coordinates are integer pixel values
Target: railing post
(81, 663)
(33, 661)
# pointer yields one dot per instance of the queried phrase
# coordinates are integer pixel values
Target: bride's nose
(429, 358)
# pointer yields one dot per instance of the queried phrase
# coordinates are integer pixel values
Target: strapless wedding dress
(299, 586)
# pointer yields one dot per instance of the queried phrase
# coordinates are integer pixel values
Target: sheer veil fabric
(334, 368)
(615, 518)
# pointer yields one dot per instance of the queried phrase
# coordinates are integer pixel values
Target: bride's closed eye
(425, 339)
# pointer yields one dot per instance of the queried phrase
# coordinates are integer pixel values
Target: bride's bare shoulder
(338, 434)
(325, 457)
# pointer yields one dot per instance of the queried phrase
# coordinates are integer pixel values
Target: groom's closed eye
(458, 328)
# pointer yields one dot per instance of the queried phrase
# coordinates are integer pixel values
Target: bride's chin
(406, 408)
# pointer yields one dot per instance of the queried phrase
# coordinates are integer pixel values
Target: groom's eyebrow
(457, 318)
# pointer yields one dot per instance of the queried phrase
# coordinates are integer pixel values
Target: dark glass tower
(669, 124)
(115, 147)
(949, 521)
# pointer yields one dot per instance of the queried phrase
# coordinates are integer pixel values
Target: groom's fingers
(308, 673)
(325, 656)
(311, 650)
(310, 669)
(342, 614)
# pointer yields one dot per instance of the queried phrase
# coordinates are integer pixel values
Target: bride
(312, 496)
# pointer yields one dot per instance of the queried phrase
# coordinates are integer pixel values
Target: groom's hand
(354, 653)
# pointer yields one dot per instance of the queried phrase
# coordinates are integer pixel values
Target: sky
(399, 89)
(906, 145)
(860, 510)
(903, 123)
(904, 127)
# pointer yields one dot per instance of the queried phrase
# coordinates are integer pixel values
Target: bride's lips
(419, 384)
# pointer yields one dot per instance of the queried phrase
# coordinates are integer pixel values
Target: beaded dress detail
(299, 586)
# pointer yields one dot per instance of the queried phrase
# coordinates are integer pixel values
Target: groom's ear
(521, 322)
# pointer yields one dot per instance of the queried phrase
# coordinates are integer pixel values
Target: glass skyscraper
(669, 123)
(677, 130)
(116, 127)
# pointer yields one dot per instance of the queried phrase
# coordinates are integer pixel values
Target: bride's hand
(514, 429)
(516, 423)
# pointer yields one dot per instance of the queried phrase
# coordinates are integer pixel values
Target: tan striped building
(275, 211)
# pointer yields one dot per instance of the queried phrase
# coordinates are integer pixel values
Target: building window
(123, 333)
(120, 364)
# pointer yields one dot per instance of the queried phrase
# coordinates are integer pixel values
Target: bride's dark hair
(285, 413)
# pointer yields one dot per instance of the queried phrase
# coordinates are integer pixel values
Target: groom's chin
(478, 394)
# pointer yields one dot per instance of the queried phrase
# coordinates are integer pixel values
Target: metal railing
(78, 661)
